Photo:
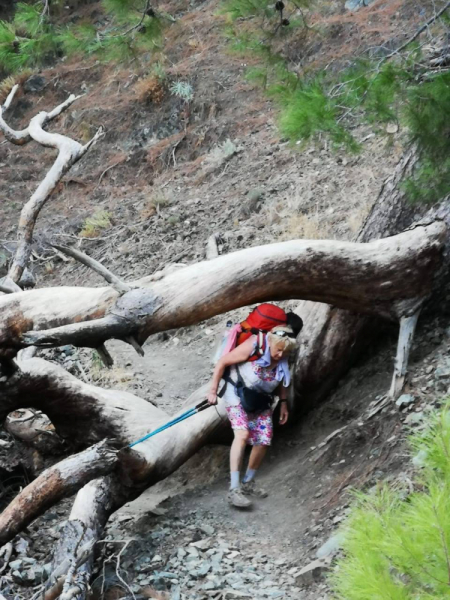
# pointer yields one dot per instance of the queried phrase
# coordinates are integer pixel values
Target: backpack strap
(260, 344)
(226, 377)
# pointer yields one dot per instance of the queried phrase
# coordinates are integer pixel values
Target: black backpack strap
(239, 376)
(226, 377)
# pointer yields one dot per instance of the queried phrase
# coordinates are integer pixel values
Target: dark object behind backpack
(295, 322)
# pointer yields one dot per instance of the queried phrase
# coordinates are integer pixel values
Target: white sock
(234, 480)
(250, 475)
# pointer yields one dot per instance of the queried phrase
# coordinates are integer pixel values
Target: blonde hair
(289, 344)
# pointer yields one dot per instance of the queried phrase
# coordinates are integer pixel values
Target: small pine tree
(396, 544)
(31, 39)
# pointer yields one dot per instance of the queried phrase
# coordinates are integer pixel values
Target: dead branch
(417, 33)
(69, 152)
(81, 558)
(92, 507)
(23, 136)
(212, 249)
(117, 284)
(57, 482)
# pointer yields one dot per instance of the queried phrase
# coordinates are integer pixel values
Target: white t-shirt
(255, 377)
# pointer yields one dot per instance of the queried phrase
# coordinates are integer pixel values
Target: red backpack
(259, 322)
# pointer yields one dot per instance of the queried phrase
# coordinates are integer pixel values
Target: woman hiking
(262, 370)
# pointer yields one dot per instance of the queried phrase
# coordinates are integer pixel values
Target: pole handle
(202, 405)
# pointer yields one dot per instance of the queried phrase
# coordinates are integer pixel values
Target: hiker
(266, 372)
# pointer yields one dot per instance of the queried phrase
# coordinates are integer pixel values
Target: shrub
(183, 90)
(397, 544)
(150, 89)
(93, 226)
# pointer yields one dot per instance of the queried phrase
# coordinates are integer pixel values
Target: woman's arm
(239, 355)
(284, 411)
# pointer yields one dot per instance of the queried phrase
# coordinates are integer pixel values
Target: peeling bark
(332, 338)
(388, 278)
(57, 482)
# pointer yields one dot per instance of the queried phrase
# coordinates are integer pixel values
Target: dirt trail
(202, 548)
(282, 531)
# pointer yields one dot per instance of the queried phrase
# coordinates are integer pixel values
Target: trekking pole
(189, 413)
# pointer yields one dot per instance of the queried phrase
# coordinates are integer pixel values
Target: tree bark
(55, 483)
(332, 338)
(388, 278)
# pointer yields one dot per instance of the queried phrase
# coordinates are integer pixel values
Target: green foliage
(31, 40)
(426, 113)
(79, 39)
(159, 71)
(121, 9)
(27, 41)
(397, 545)
(378, 90)
(27, 19)
(237, 9)
(308, 111)
(183, 90)
(94, 225)
(398, 90)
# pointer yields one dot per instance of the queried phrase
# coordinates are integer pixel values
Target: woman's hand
(284, 413)
(212, 398)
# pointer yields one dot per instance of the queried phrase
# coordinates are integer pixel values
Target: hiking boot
(251, 489)
(236, 498)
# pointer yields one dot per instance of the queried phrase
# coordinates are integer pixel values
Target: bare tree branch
(23, 136)
(69, 152)
(93, 264)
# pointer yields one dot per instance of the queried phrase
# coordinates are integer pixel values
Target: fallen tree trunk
(332, 338)
(83, 413)
(389, 278)
(87, 413)
(57, 482)
(73, 556)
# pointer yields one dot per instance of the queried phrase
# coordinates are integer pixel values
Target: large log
(86, 413)
(332, 338)
(80, 412)
(388, 278)
(55, 483)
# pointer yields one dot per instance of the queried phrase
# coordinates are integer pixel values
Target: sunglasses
(283, 334)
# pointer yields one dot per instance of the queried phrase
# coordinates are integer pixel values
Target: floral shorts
(259, 425)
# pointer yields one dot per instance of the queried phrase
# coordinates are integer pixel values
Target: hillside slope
(163, 179)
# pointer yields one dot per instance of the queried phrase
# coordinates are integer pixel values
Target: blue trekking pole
(189, 413)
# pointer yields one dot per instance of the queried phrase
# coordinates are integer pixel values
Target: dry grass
(292, 222)
(154, 205)
(309, 227)
(357, 218)
(7, 84)
(150, 90)
(94, 225)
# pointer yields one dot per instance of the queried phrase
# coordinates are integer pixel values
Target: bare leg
(238, 448)
(256, 457)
